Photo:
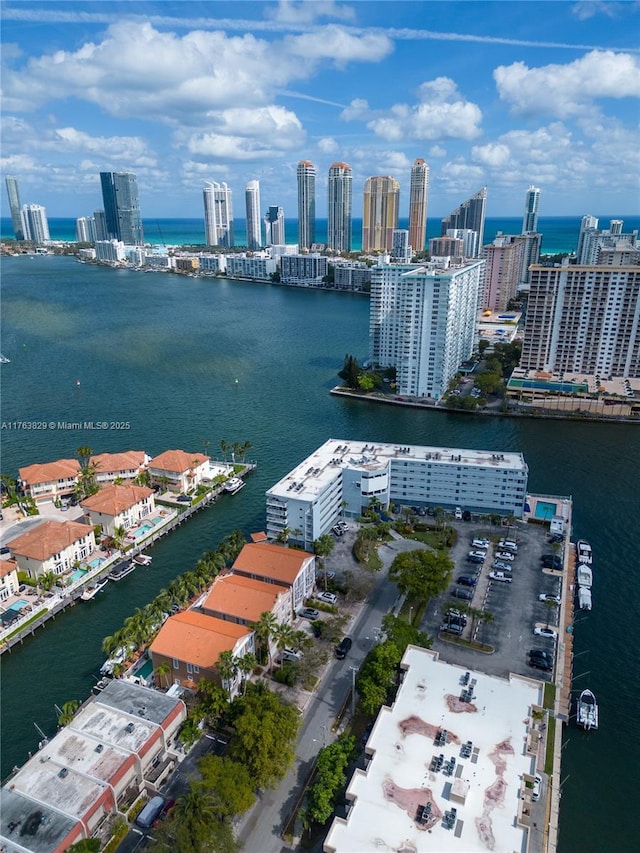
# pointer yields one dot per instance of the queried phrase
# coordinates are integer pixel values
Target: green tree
(246, 665)
(87, 845)
(229, 783)
(420, 573)
(265, 629)
(212, 700)
(227, 667)
(68, 712)
(350, 372)
(404, 634)
(377, 679)
(366, 382)
(285, 636)
(195, 826)
(266, 729)
(322, 547)
(163, 670)
(331, 775)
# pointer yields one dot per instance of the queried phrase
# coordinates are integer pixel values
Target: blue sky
(497, 94)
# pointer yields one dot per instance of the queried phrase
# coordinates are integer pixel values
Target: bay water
(188, 362)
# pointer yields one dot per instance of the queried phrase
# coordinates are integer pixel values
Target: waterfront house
(49, 480)
(52, 546)
(179, 471)
(119, 506)
(119, 744)
(123, 466)
(8, 579)
(275, 564)
(191, 644)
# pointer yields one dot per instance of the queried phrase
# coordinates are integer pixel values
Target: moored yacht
(584, 598)
(93, 589)
(587, 710)
(585, 576)
(233, 485)
(142, 559)
(121, 571)
(584, 552)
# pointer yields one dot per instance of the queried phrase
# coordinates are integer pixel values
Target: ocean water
(560, 233)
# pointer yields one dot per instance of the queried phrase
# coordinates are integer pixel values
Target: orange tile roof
(47, 472)
(6, 567)
(48, 538)
(259, 537)
(241, 597)
(111, 463)
(272, 561)
(177, 461)
(196, 638)
(114, 499)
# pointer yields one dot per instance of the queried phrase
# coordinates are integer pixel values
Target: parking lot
(515, 606)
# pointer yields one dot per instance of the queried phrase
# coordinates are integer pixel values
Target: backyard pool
(78, 575)
(545, 510)
(141, 531)
(18, 605)
(98, 561)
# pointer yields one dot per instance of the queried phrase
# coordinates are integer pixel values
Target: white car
(544, 596)
(500, 576)
(480, 543)
(458, 513)
(505, 555)
(327, 597)
(537, 786)
(549, 633)
(478, 554)
(508, 545)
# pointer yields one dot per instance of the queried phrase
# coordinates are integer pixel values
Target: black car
(551, 561)
(460, 592)
(540, 663)
(184, 499)
(343, 647)
(474, 558)
(466, 580)
(541, 653)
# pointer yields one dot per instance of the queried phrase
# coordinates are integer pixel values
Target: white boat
(4, 360)
(92, 590)
(585, 576)
(584, 552)
(584, 598)
(587, 710)
(233, 485)
(142, 559)
(121, 571)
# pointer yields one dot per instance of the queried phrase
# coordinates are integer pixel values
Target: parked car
(544, 596)
(458, 513)
(549, 633)
(500, 576)
(327, 597)
(509, 545)
(501, 566)
(551, 561)
(451, 629)
(310, 613)
(482, 554)
(150, 812)
(5, 550)
(480, 543)
(337, 530)
(506, 555)
(343, 647)
(541, 653)
(540, 663)
(466, 580)
(185, 499)
(473, 558)
(537, 788)
(460, 592)
(453, 615)
(290, 656)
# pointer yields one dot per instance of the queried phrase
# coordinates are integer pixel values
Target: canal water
(168, 362)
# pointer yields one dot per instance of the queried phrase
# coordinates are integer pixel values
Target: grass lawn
(551, 736)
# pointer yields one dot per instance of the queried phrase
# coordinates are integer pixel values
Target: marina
(232, 486)
(587, 711)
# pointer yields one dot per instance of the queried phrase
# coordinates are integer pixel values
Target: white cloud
(390, 162)
(308, 11)
(585, 9)
(327, 145)
(491, 154)
(339, 45)
(437, 151)
(129, 149)
(358, 109)
(567, 89)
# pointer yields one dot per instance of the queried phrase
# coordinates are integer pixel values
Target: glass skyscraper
(121, 207)
(531, 204)
(470, 214)
(218, 214)
(252, 201)
(380, 213)
(418, 198)
(339, 208)
(14, 206)
(306, 204)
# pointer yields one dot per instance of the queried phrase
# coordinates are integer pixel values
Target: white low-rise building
(342, 478)
(117, 506)
(179, 471)
(119, 466)
(250, 267)
(449, 767)
(52, 546)
(46, 481)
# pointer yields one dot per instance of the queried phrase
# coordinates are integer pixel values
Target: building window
(176, 663)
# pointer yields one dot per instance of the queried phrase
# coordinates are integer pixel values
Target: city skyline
(177, 93)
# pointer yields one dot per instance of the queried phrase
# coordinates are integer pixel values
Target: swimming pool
(18, 605)
(78, 575)
(539, 385)
(98, 561)
(545, 509)
(142, 530)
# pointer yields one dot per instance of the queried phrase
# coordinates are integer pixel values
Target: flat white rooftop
(485, 787)
(313, 475)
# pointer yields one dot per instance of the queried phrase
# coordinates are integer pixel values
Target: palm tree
(119, 535)
(84, 454)
(227, 667)
(246, 666)
(212, 699)
(224, 447)
(283, 536)
(322, 547)
(285, 636)
(265, 629)
(244, 449)
(195, 812)
(205, 445)
(68, 712)
(162, 671)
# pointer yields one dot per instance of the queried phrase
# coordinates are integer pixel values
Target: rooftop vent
(99, 748)
(129, 728)
(63, 772)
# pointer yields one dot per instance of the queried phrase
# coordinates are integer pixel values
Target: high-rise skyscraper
(502, 272)
(86, 229)
(274, 226)
(422, 321)
(35, 225)
(583, 319)
(339, 208)
(470, 214)
(380, 213)
(418, 198)
(121, 207)
(306, 204)
(252, 200)
(218, 214)
(401, 249)
(14, 206)
(101, 225)
(531, 204)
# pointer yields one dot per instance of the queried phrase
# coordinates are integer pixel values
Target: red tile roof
(48, 538)
(272, 561)
(6, 567)
(114, 499)
(196, 638)
(47, 472)
(177, 461)
(111, 463)
(241, 597)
